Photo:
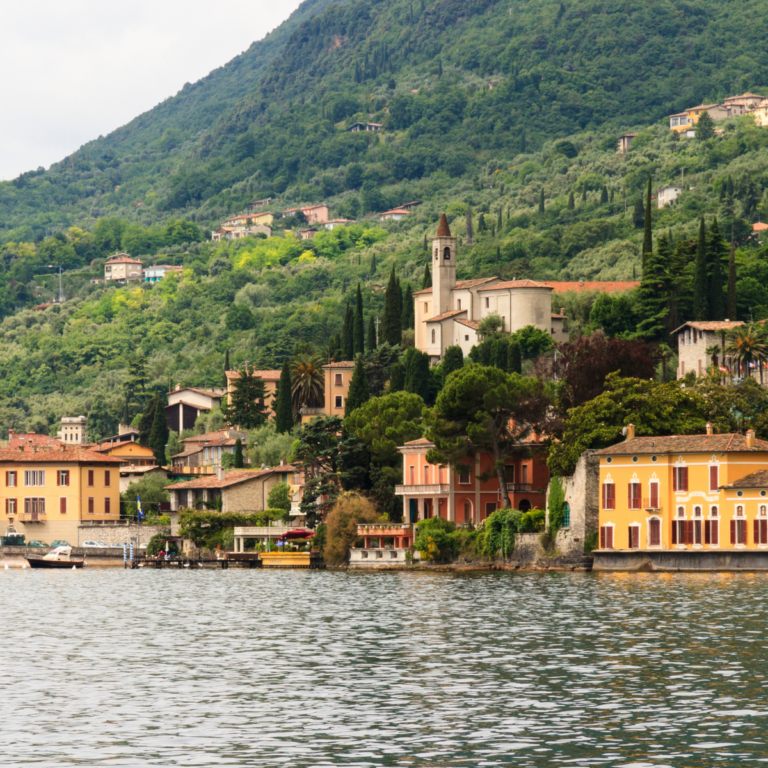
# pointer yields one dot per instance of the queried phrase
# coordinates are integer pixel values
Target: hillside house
(238, 233)
(365, 127)
(625, 142)
(73, 430)
(249, 220)
(748, 100)
(337, 380)
(121, 268)
(254, 204)
(185, 404)
(693, 341)
(307, 234)
(601, 286)
(156, 273)
(206, 450)
(315, 214)
(333, 223)
(270, 379)
(394, 215)
(760, 113)
(667, 195)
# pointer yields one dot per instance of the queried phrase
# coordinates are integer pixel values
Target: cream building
(121, 268)
(449, 313)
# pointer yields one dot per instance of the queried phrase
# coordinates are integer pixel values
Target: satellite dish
(624, 431)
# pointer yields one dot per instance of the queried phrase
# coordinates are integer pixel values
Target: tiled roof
(755, 480)
(340, 364)
(394, 210)
(110, 446)
(516, 284)
(710, 325)
(122, 258)
(230, 478)
(683, 444)
(31, 438)
(759, 226)
(137, 469)
(420, 441)
(208, 437)
(605, 287)
(461, 285)
(446, 315)
(443, 230)
(263, 375)
(56, 455)
(474, 324)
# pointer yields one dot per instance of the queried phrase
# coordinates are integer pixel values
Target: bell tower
(443, 267)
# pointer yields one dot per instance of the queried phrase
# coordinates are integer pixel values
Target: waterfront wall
(116, 535)
(681, 560)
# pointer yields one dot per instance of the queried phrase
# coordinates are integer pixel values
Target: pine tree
(638, 215)
(417, 376)
(358, 388)
(498, 254)
(647, 224)
(453, 360)
(716, 256)
(571, 203)
(652, 304)
(730, 186)
(481, 223)
(373, 265)
(408, 308)
(371, 341)
(522, 141)
(239, 463)
(499, 219)
(731, 298)
(391, 326)
(147, 421)
(700, 277)
(604, 195)
(284, 405)
(426, 281)
(705, 128)
(439, 68)
(400, 303)
(358, 330)
(348, 334)
(612, 191)
(159, 435)
(470, 230)
(514, 358)
(246, 402)
(541, 201)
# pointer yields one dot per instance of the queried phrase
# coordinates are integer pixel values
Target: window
(90, 505)
(680, 479)
(712, 530)
(62, 477)
(34, 506)
(467, 511)
(63, 505)
(487, 303)
(634, 537)
(90, 478)
(697, 539)
(738, 529)
(567, 516)
(523, 473)
(634, 495)
(490, 508)
(713, 478)
(606, 537)
(337, 380)
(34, 478)
(761, 528)
(654, 500)
(339, 401)
(433, 335)
(107, 506)
(654, 533)
(412, 475)
(447, 254)
(466, 338)
(464, 478)
(10, 479)
(10, 506)
(426, 474)
(609, 496)
(205, 458)
(108, 475)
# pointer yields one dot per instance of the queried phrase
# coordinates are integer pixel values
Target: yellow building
(47, 490)
(684, 492)
(128, 452)
(338, 377)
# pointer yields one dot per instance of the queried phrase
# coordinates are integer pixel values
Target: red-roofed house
(121, 268)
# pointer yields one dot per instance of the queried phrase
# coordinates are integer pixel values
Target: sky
(79, 69)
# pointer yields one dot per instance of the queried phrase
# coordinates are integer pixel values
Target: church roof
(461, 285)
(474, 324)
(446, 315)
(443, 230)
(517, 284)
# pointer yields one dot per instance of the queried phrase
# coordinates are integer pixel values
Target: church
(449, 313)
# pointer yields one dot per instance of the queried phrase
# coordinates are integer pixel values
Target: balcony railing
(651, 505)
(422, 490)
(520, 487)
(32, 517)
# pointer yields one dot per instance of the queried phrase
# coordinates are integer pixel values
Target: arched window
(433, 335)
(567, 515)
(447, 253)
(739, 511)
(763, 510)
(713, 511)
(436, 254)
(681, 511)
(697, 511)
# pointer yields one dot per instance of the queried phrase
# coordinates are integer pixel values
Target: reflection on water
(297, 668)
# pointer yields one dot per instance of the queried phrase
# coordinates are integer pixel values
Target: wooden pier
(290, 560)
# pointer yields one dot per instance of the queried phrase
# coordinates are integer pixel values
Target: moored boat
(61, 557)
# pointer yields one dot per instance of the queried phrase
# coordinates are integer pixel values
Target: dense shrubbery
(208, 529)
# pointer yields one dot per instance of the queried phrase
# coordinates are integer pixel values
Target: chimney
(562, 310)
(178, 388)
(220, 473)
(11, 433)
(710, 430)
(630, 431)
(750, 438)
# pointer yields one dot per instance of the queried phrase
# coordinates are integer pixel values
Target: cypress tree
(358, 333)
(452, 361)
(391, 326)
(648, 234)
(400, 303)
(158, 437)
(239, 463)
(498, 254)
(541, 201)
(347, 335)
(499, 220)
(716, 255)
(652, 299)
(571, 203)
(604, 196)
(481, 223)
(147, 421)
(358, 388)
(514, 358)
(731, 298)
(408, 308)
(417, 373)
(226, 361)
(700, 277)
(584, 195)
(370, 342)
(522, 141)
(470, 230)
(373, 265)
(284, 405)
(499, 357)
(426, 281)
(638, 215)
(612, 191)
(397, 378)
(730, 186)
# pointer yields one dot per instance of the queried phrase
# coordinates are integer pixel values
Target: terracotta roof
(443, 230)
(474, 324)
(188, 452)
(31, 438)
(684, 444)
(122, 258)
(759, 226)
(420, 441)
(461, 285)
(136, 469)
(517, 284)
(558, 317)
(446, 315)
(394, 210)
(208, 437)
(340, 364)
(605, 287)
(710, 325)
(702, 106)
(56, 455)
(230, 478)
(755, 480)
(263, 375)
(110, 446)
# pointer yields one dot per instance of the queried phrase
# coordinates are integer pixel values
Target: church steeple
(443, 230)
(443, 267)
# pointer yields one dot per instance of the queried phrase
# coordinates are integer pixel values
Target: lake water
(296, 668)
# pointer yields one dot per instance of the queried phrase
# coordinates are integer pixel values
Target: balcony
(422, 490)
(32, 517)
(652, 505)
(520, 487)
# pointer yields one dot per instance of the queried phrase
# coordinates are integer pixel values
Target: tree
(541, 201)
(705, 128)
(358, 388)
(135, 387)
(533, 341)
(391, 326)
(453, 360)
(571, 203)
(490, 326)
(239, 318)
(716, 255)
(246, 406)
(307, 382)
(239, 464)
(613, 313)
(371, 341)
(348, 334)
(147, 420)
(648, 227)
(284, 404)
(469, 228)
(485, 410)
(226, 361)
(652, 296)
(426, 281)
(747, 347)
(654, 409)
(638, 214)
(408, 318)
(158, 437)
(280, 498)
(700, 277)
(514, 358)
(358, 335)
(603, 195)
(101, 422)
(417, 372)
(397, 378)
(341, 526)
(732, 276)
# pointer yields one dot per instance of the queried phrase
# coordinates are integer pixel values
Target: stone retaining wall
(115, 535)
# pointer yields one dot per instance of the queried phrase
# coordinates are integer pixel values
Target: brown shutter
(707, 524)
(63, 505)
(609, 537)
(7, 505)
(689, 531)
(742, 531)
(605, 496)
(733, 531)
(764, 531)
(602, 536)
(654, 495)
(58, 477)
(612, 496)
(7, 479)
(757, 531)
(674, 532)
(674, 478)
(715, 531)
(631, 488)
(685, 479)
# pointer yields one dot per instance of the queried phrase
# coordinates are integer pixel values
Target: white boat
(61, 557)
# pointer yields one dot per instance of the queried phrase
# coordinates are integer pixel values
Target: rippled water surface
(295, 668)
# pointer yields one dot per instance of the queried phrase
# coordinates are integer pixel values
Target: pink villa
(316, 214)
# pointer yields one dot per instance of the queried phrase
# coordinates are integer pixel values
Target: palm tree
(713, 353)
(747, 345)
(307, 381)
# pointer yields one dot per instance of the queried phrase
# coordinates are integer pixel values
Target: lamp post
(61, 293)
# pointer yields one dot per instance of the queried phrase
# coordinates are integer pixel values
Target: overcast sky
(76, 69)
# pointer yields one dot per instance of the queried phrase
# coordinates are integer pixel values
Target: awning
(298, 533)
